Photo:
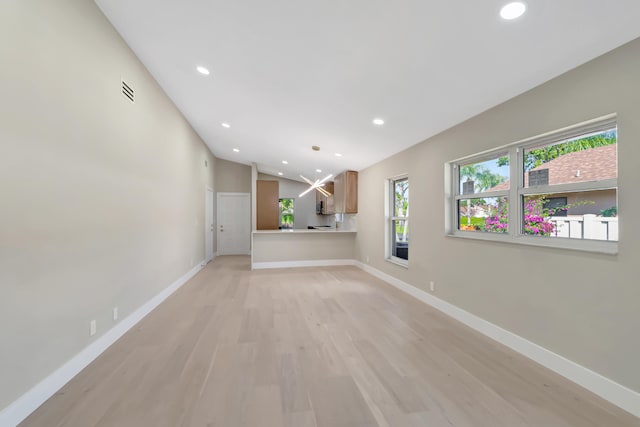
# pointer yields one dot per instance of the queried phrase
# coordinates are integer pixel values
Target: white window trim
(389, 205)
(516, 190)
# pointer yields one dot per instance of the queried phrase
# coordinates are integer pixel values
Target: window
(483, 194)
(398, 220)
(559, 190)
(286, 213)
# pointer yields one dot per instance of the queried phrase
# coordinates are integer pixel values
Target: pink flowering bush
(536, 218)
(499, 220)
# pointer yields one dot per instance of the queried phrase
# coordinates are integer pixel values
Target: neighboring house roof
(594, 164)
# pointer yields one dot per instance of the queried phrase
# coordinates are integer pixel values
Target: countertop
(303, 231)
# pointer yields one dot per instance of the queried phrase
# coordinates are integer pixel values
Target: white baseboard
(298, 264)
(619, 395)
(21, 408)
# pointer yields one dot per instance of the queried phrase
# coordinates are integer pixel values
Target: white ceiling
(289, 74)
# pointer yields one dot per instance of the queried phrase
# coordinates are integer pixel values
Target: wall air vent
(127, 91)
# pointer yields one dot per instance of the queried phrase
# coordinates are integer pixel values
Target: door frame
(208, 233)
(218, 195)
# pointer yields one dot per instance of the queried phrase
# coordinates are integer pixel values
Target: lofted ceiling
(290, 74)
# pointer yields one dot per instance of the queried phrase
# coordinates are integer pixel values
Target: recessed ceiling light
(280, 173)
(378, 122)
(226, 125)
(338, 155)
(318, 170)
(235, 150)
(284, 162)
(203, 70)
(513, 10)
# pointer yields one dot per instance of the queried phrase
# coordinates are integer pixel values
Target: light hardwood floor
(324, 347)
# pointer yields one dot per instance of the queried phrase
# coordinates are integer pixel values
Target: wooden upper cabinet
(331, 206)
(346, 192)
(328, 205)
(267, 209)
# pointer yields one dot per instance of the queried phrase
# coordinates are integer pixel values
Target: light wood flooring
(323, 347)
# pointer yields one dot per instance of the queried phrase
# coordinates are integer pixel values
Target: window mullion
(570, 188)
(482, 195)
(516, 157)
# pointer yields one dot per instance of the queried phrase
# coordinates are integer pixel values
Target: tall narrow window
(286, 213)
(398, 249)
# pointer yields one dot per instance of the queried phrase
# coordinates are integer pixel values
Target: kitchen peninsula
(299, 248)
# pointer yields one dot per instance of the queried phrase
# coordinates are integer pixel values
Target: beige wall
(102, 200)
(232, 177)
(583, 306)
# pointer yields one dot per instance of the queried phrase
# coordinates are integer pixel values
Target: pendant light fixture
(317, 185)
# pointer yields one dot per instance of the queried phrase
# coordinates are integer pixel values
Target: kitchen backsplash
(346, 221)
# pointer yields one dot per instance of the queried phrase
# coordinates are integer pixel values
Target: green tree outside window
(286, 213)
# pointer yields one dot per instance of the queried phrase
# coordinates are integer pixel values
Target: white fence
(585, 227)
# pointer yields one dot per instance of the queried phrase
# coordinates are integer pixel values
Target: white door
(234, 223)
(209, 226)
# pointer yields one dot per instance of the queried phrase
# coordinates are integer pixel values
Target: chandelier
(317, 185)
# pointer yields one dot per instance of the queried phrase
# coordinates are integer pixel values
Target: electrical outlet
(432, 286)
(192, 262)
(115, 313)
(366, 259)
(92, 328)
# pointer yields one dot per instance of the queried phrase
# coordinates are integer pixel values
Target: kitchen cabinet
(345, 192)
(325, 204)
(267, 209)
